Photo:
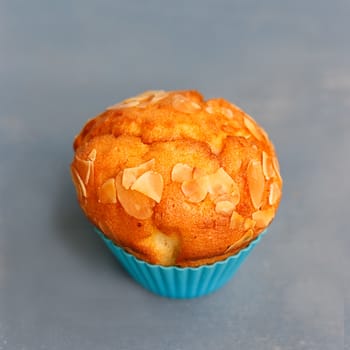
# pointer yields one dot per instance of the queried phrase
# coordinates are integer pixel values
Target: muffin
(176, 182)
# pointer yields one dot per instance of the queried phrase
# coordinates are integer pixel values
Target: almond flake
(79, 183)
(219, 183)
(275, 193)
(215, 109)
(245, 238)
(224, 207)
(198, 172)
(195, 190)
(248, 235)
(210, 110)
(276, 167)
(263, 217)
(195, 105)
(130, 175)
(150, 96)
(243, 133)
(92, 155)
(84, 167)
(267, 166)
(232, 127)
(134, 203)
(226, 112)
(185, 105)
(233, 197)
(263, 132)
(89, 171)
(121, 105)
(256, 182)
(252, 128)
(216, 144)
(248, 224)
(108, 192)
(236, 220)
(158, 96)
(76, 183)
(144, 95)
(150, 184)
(235, 194)
(232, 246)
(181, 172)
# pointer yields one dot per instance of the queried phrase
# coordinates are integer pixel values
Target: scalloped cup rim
(179, 268)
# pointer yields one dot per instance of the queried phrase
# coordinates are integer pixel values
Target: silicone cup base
(180, 282)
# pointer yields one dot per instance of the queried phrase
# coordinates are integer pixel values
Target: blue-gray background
(287, 63)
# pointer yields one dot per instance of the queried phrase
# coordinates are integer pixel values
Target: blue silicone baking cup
(180, 282)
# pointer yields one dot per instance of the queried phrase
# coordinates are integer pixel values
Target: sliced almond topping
(108, 192)
(276, 166)
(228, 129)
(248, 224)
(158, 96)
(236, 220)
(150, 184)
(131, 174)
(226, 112)
(76, 183)
(235, 194)
(232, 246)
(198, 172)
(275, 193)
(223, 197)
(215, 109)
(219, 183)
(134, 203)
(233, 197)
(267, 166)
(181, 172)
(256, 182)
(243, 133)
(252, 128)
(195, 105)
(263, 132)
(84, 167)
(79, 182)
(216, 143)
(245, 238)
(210, 109)
(185, 105)
(224, 207)
(232, 127)
(92, 171)
(89, 171)
(92, 155)
(124, 104)
(263, 217)
(248, 235)
(195, 190)
(147, 95)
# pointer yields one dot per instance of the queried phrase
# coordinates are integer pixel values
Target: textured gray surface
(286, 63)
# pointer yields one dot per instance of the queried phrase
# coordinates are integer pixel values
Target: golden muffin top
(175, 179)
